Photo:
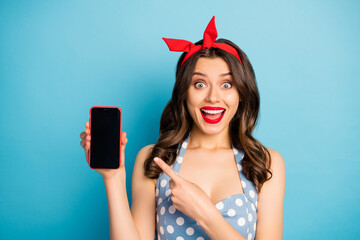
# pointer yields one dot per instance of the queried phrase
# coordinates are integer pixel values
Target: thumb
(124, 140)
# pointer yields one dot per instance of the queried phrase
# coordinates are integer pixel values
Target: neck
(199, 139)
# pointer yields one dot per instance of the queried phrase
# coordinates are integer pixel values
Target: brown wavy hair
(176, 122)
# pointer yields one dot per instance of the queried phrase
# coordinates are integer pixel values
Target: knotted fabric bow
(210, 35)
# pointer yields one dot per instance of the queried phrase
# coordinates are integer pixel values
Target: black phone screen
(105, 127)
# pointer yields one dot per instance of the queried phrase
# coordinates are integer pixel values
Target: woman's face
(212, 96)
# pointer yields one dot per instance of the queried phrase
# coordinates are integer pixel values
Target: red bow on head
(210, 35)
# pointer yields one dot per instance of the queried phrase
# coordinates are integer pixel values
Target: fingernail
(156, 159)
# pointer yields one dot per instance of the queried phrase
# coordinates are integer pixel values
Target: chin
(212, 130)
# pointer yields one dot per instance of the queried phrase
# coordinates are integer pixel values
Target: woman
(207, 177)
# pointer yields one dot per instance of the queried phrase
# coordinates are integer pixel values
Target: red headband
(210, 35)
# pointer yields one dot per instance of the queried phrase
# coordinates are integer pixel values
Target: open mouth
(212, 116)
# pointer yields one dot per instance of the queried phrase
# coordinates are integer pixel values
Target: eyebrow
(204, 75)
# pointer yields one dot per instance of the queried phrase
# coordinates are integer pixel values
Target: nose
(213, 94)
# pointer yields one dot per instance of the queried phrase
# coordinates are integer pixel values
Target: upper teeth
(213, 111)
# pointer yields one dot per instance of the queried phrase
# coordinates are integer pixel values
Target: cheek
(194, 99)
(190, 106)
(233, 103)
(194, 102)
(232, 99)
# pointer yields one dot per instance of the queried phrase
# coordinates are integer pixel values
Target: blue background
(59, 58)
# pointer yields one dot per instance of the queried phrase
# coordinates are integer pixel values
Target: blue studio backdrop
(60, 58)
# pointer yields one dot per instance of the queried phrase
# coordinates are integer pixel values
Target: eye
(199, 85)
(227, 85)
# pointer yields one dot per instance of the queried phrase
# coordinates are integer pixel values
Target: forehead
(211, 66)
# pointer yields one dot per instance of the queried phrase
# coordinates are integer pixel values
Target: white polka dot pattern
(162, 210)
(179, 159)
(239, 209)
(180, 221)
(239, 167)
(170, 229)
(172, 209)
(252, 193)
(253, 207)
(168, 192)
(163, 183)
(249, 217)
(161, 230)
(239, 202)
(241, 221)
(220, 205)
(189, 231)
(231, 212)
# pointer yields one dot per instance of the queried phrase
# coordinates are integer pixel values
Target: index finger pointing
(167, 169)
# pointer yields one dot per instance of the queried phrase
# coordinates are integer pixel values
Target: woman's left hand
(187, 197)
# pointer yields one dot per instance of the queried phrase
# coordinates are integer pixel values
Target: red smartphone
(105, 132)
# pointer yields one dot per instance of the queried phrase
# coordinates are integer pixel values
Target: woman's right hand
(106, 173)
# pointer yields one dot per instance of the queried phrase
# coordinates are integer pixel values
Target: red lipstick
(212, 108)
(212, 121)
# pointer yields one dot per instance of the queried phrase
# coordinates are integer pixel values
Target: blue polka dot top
(239, 209)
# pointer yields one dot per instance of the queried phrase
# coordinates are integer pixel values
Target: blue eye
(228, 85)
(198, 84)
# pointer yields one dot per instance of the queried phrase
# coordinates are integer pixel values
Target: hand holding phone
(103, 141)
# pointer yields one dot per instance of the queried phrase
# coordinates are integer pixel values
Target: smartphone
(105, 132)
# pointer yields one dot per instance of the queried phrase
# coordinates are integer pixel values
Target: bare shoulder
(144, 152)
(142, 155)
(277, 162)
